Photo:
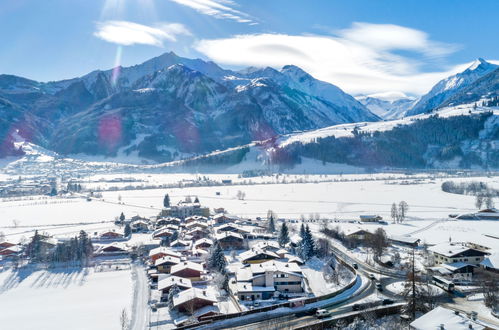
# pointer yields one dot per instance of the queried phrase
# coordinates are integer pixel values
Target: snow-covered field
(342, 201)
(64, 299)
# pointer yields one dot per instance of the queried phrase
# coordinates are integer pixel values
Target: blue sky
(362, 46)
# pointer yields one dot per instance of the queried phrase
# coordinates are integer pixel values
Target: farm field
(61, 299)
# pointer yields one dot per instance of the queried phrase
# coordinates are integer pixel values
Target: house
(181, 245)
(203, 243)
(233, 228)
(109, 235)
(486, 214)
(443, 318)
(162, 232)
(5, 244)
(139, 225)
(165, 283)
(260, 281)
(196, 223)
(187, 269)
(196, 218)
(256, 256)
(221, 218)
(161, 252)
(267, 246)
(184, 210)
(193, 299)
(458, 271)
(206, 311)
(113, 248)
(404, 240)
(357, 233)
(491, 263)
(230, 240)
(246, 291)
(10, 251)
(167, 221)
(370, 218)
(165, 264)
(219, 210)
(449, 253)
(198, 233)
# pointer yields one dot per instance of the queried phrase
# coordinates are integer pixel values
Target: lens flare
(117, 66)
(110, 131)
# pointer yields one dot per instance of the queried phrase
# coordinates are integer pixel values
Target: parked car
(355, 266)
(372, 277)
(379, 287)
(322, 313)
(387, 302)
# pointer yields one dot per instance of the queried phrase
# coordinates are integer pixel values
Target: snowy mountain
(388, 106)
(452, 85)
(171, 105)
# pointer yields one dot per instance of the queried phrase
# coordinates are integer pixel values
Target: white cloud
(363, 59)
(129, 33)
(221, 9)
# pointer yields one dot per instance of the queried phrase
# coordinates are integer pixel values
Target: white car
(321, 313)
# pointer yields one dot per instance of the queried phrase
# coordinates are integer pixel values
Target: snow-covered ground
(314, 272)
(64, 299)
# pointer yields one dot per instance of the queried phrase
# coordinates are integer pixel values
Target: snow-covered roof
(456, 265)
(255, 252)
(196, 224)
(491, 261)
(189, 294)
(446, 317)
(225, 234)
(206, 310)
(164, 250)
(450, 249)
(168, 281)
(203, 240)
(186, 265)
(166, 259)
(266, 245)
(248, 287)
(276, 266)
(405, 239)
(180, 242)
(162, 230)
(13, 248)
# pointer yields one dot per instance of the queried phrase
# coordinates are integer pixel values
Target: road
(140, 315)
(291, 321)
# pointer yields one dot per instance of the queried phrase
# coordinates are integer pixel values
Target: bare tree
(478, 201)
(403, 208)
(15, 223)
(489, 202)
(124, 321)
(2, 236)
(394, 212)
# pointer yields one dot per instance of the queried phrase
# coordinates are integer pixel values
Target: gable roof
(169, 281)
(189, 294)
(228, 234)
(186, 265)
(164, 250)
(166, 259)
(440, 315)
(491, 261)
(276, 266)
(453, 249)
(246, 255)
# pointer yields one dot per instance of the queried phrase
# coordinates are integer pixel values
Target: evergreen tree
(35, 247)
(271, 219)
(166, 201)
(307, 246)
(174, 290)
(122, 217)
(53, 192)
(216, 259)
(174, 235)
(302, 231)
(196, 200)
(284, 235)
(128, 230)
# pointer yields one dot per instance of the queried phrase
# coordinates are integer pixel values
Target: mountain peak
(479, 63)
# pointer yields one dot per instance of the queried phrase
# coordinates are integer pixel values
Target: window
(477, 259)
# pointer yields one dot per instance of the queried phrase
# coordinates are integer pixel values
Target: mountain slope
(171, 105)
(452, 85)
(388, 106)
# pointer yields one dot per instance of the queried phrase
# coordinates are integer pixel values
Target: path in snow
(140, 305)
